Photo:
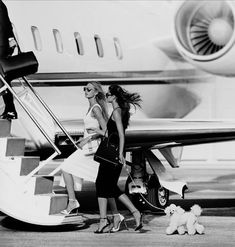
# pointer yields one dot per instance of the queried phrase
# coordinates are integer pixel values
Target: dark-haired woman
(108, 174)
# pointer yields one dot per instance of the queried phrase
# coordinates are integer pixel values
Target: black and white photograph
(117, 123)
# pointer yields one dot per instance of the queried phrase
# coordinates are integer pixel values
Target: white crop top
(90, 121)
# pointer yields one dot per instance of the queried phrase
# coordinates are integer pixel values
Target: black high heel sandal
(103, 228)
(140, 226)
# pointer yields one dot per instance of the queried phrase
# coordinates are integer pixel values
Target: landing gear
(155, 197)
(143, 188)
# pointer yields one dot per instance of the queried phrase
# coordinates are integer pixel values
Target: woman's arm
(118, 120)
(98, 115)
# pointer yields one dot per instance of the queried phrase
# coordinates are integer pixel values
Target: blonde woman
(80, 164)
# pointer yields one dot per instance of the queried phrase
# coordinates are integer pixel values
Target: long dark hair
(125, 99)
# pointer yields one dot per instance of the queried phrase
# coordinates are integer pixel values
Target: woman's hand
(92, 130)
(122, 159)
(97, 131)
(12, 43)
(79, 140)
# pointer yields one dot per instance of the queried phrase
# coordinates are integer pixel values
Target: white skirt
(81, 165)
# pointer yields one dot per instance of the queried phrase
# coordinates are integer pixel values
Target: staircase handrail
(30, 115)
(33, 172)
(50, 112)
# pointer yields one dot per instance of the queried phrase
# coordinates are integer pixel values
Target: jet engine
(204, 35)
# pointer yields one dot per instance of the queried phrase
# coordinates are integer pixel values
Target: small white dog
(182, 221)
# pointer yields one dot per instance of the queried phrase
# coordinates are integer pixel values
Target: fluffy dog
(182, 221)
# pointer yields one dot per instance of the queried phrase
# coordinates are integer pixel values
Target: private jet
(156, 48)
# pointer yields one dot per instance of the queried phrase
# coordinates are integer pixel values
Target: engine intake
(204, 35)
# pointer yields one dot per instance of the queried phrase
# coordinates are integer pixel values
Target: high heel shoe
(71, 208)
(103, 228)
(140, 226)
(122, 219)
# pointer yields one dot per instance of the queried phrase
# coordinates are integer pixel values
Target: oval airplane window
(36, 38)
(99, 46)
(58, 40)
(79, 44)
(118, 48)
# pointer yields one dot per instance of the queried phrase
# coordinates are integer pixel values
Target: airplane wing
(170, 135)
(167, 135)
(159, 133)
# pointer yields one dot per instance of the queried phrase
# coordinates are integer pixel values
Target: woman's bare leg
(127, 202)
(73, 203)
(68, 179)
(113, 205)
(102, 202)
(115, 212)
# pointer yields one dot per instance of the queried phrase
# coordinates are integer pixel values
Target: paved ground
(213, 189)
(219, 232)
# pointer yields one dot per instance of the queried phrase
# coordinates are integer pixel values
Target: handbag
(16, 66)
(22, 64)
(107, 152)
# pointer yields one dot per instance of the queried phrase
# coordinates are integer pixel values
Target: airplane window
(58, 41)
(36, 38)
(118, 48)
(99, 46)
(79, 44)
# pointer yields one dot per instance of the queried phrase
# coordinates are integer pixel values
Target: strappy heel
(140, 226)
(71, 209)
(122, 219)
(103, 228)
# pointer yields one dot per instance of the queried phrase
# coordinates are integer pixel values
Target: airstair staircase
(24, 194)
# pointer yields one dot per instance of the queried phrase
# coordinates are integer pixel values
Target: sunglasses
(108, 94)
(87, 89)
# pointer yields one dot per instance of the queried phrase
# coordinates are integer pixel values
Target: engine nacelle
(204, 35)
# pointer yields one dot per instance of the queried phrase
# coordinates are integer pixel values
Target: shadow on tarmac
(13, 224)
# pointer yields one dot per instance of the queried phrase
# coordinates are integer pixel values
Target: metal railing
(57, 151)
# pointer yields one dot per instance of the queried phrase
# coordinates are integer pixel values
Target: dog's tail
(196, 209)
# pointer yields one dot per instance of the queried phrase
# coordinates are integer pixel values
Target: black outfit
(6, 32)
(108, 174)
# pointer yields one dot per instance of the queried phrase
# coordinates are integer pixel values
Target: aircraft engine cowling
(204, 35)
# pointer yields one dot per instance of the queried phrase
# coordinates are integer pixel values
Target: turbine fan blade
(200, 40)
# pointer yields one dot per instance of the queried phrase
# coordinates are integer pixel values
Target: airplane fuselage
(113, 42)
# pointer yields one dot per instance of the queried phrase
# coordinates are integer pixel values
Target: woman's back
(90, 121)
(111, 126)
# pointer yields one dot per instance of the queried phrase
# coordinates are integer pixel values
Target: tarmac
(212, 188)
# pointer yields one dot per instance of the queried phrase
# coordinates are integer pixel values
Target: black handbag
(107, 151)
(22, 64)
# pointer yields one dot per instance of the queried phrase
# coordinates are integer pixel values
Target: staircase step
(44, 184)
(37, 185)
(29, 164)
(52, 203)
(58, 203)
(12, 146)
(19, 166)
(5, 128)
